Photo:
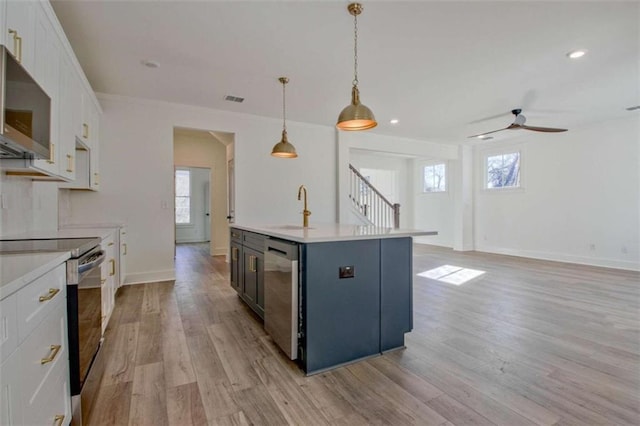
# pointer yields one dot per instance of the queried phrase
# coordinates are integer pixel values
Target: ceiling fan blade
(487, 133)
(542, 129)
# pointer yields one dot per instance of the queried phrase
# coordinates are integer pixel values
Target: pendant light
(356, 116)
(284, 149)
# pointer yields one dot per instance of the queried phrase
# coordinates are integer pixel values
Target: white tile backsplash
(27, 206)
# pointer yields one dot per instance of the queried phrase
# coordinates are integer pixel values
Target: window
(503, 170)
(183, 197)
(435, 179)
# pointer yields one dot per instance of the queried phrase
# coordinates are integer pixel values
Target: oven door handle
(90, 265)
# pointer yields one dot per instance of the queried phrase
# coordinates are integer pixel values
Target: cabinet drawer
(44, 351)
(39, 298)
(253, 240)
(236, 235)
(10, 390)
(8, 327)
(51, 405)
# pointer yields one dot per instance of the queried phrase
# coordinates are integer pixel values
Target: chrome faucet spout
(305, 213)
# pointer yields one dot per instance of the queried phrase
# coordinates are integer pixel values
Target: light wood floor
(530, 342)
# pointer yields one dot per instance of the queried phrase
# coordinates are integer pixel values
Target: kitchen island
(348, 288)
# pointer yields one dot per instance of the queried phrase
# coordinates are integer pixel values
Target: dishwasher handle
(281, 248)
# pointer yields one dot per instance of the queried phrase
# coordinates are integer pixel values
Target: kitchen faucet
(305, 213)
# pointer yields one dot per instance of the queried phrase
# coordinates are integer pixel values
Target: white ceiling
(438, 67)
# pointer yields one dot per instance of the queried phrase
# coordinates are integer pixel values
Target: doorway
(197, 150)
(193, 204)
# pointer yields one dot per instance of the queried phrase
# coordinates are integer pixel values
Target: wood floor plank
(184, 406)
(120, 354)
(112, 405)
(148, 399)
(150, 339)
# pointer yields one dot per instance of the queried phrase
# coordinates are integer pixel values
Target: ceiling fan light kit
(518, 123)
(284, 149)
(356, 116)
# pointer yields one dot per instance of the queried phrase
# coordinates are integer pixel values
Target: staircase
(370, 204)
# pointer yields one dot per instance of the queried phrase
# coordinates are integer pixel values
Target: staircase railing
(369, 202)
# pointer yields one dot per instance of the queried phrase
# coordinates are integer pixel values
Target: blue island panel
(341, 316)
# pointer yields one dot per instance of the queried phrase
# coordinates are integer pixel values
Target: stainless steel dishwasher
(281, 294)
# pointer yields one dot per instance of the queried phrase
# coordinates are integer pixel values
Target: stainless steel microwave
(25, 122)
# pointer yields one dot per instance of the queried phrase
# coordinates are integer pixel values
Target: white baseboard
(217, 251)
(563, 257)
(150, 277)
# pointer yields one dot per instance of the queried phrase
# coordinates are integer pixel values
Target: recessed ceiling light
(575, 54)
(484, 137)
(150, 64)
(394, 121)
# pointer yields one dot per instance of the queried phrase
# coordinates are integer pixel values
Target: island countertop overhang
(327, 232)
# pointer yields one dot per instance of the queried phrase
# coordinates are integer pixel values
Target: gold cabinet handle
(113, 267)
(234, 253)
(85, 130)
(52, 154)
(124, 253)
(58, 420)
(50, 295)
(70, 163)
(252, 263)
(96, 179)
(19, 40)
(54, 351)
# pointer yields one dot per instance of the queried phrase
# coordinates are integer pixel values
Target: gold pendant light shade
(356, 116)
(284, 149)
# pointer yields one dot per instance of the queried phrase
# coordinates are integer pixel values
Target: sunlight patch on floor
(451, 274)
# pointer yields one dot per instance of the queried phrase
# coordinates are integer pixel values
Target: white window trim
(446, 177)
(190, 224)
(502, 151)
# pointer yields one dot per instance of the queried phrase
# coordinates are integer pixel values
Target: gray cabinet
(247, 268)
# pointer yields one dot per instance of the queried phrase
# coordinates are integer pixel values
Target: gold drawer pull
(113, 267)
(110, 244)
(125, 249)
(50, 295)
(58, 420)
(54, 351)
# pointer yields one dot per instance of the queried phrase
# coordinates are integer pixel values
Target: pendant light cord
(355, 50)
(284, 110)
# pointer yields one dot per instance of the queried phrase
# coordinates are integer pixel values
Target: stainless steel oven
(84, 316)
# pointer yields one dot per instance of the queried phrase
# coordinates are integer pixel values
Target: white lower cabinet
(34, 376)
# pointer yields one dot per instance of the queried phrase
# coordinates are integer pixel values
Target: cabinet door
(94, 160)
(236, 267)
(250, 290)
(10, 390)
(66, 140)
(19, 31)
(47, 73)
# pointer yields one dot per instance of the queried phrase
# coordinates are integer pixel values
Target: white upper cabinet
(46, 72)
(19, 31)
(32, 33)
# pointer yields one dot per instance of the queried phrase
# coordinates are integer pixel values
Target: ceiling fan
(518, 123)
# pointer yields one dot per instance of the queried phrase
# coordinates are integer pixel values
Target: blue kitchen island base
(356, 300)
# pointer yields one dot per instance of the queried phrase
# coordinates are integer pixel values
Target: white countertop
(18, 270)
(326, 232)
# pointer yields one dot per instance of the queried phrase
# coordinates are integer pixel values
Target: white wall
(434, 211)
(579, 202)
(136, 166)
